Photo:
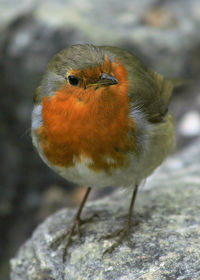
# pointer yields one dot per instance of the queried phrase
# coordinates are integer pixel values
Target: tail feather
(179, 82)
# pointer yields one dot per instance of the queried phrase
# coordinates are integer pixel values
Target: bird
(100, 118)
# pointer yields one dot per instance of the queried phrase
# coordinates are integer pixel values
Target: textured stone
(164, 243)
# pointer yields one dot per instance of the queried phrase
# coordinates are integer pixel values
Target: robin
(100, 118)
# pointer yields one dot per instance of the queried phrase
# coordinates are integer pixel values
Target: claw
(74, 230)
(120, 236)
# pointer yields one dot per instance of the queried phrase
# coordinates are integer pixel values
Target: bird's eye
(73, 80)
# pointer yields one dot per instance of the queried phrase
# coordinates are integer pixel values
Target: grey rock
(168, 33)
(164, 243)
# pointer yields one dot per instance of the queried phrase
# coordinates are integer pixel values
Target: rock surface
(164, 244)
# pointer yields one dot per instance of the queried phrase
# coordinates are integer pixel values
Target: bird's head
(82, 70)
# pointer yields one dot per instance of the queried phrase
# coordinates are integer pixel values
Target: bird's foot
(75, 230)
(119, 236)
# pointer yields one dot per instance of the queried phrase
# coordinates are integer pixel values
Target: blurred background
(164, 34)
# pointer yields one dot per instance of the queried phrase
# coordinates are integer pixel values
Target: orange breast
(87, 122)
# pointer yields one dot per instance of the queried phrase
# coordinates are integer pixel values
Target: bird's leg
(75, 226)
(124, 232)
(77, 219)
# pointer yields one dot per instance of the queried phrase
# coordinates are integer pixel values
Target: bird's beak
(107, 80)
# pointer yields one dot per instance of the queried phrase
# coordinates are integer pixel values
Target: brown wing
(147, 89)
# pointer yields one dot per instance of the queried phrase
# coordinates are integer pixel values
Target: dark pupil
(73, 80)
